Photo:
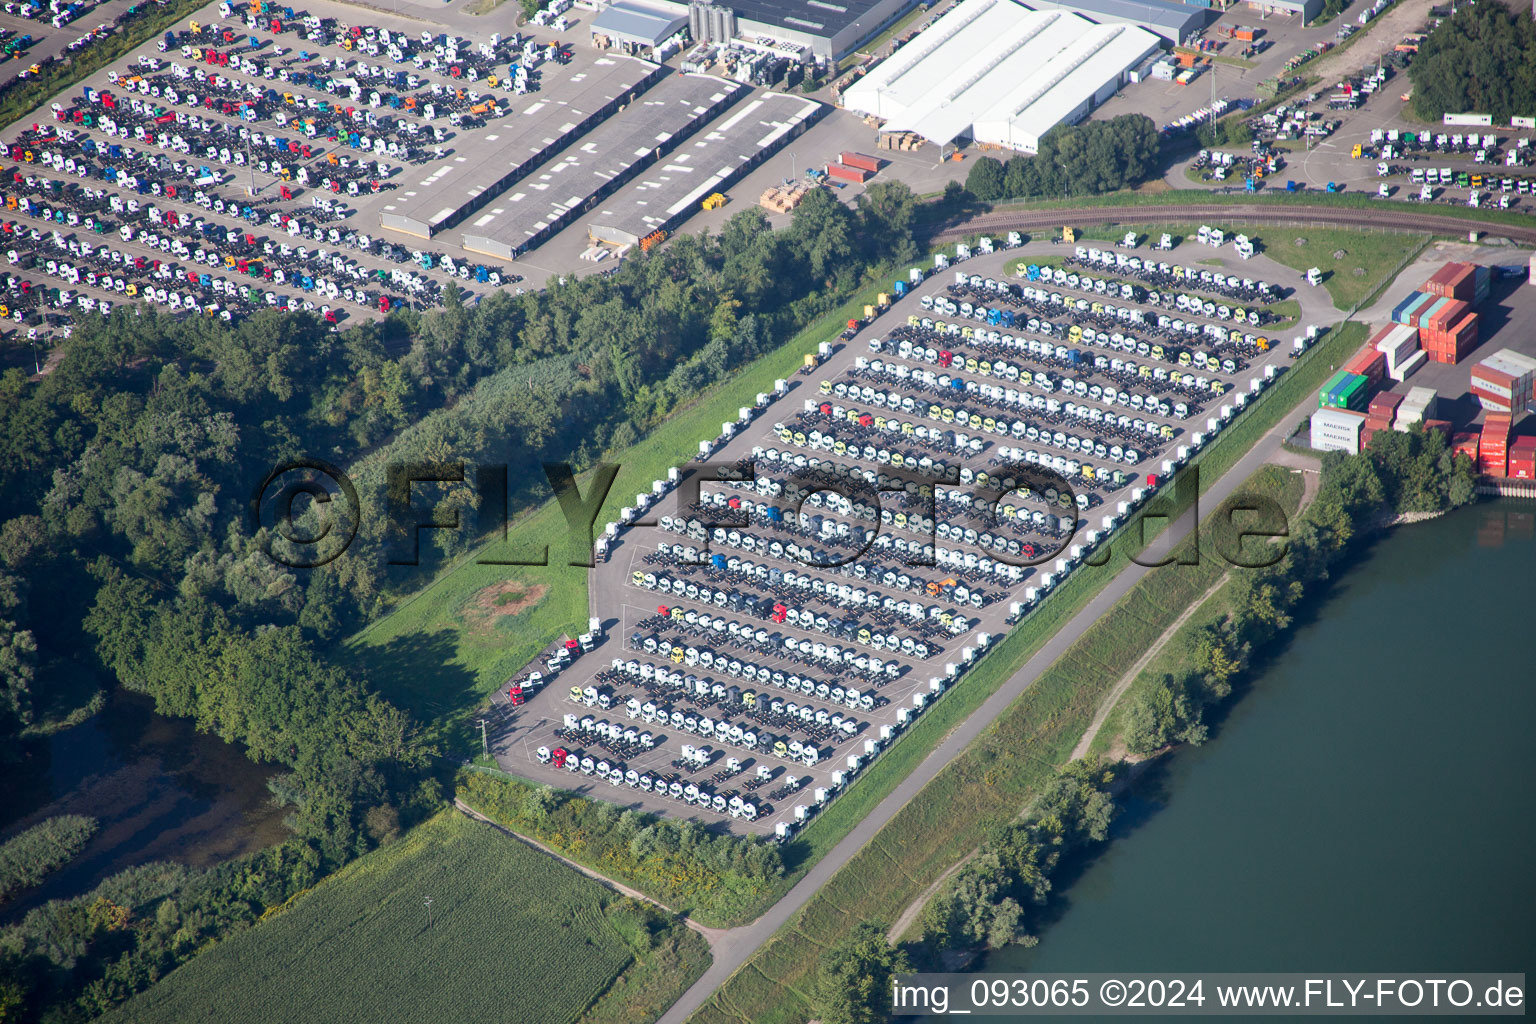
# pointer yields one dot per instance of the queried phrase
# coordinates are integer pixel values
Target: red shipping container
(1498, 422)
(1378, 422)
(1492, 465)
(1465, 443)
(1522, 458)
(1385, 403)
(1450, 313)
(1368, 363)
(1444, 426)
(859, 160)
(845, 173)
(1367, 432)
(1453, 281)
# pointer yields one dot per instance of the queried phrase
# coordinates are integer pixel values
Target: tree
(1482, 59)
(985, 181)
(853, 978)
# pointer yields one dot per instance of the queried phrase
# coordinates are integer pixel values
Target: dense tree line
(71, 960)
(1073, 160)
(709, 874)
(853, 977)
(1397, 473)
(28, 858)
(1480, 60)
(987, 903)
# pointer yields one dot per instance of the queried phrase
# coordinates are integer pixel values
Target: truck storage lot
(627, 608)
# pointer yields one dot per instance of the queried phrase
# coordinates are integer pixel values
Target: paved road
(736, 946)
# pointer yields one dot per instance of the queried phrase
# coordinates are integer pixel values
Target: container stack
(1448, 330)
(1522, 458)
(1443, 312)
(1337, 430)
(1344, 390)
(1416, 407)
(1407, 311)
(1370, 364)
(1468, 282)
(1493, 446)
(1400, 344)
(1505, 382)
(1378, 415)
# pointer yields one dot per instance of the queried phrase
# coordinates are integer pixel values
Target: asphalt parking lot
(966, 577)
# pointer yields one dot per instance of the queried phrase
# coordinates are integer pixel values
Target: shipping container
(844, 173)
(1465, 443)
(1521, 462)
(1408, 367)
(1444, 426)
(859, 160)
(1337, 430)
(1368, 363)
(1404, 313)
(1385, 403)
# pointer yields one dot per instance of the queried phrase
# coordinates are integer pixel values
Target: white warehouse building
(1000, 73)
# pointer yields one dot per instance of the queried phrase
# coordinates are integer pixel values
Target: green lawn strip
(514, 935)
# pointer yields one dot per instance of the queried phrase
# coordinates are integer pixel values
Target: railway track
(1397, 218)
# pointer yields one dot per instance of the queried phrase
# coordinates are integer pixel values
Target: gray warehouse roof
(631, 23)
(570, 100)
(1172, 21)
(600, 162)
(814, 17)
(672, 190)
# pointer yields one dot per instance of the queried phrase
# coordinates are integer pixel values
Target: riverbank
(1364, 723)
(161, 790)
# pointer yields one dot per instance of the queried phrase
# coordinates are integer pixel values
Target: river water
(161, 790)
(1368, 804)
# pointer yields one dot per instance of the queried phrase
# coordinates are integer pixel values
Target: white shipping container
(1408, 367)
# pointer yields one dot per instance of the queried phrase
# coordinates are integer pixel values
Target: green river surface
(1368, 803)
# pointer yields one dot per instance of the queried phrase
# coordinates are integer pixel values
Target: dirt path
(1124, 682)
(711, 935)
(916, 906)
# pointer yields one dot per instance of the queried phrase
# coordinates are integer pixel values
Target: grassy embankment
(513, 935)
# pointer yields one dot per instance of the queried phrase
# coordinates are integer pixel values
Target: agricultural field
(514, 935)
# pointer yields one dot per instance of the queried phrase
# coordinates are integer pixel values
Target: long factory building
(1000, 73)
(593, 166)
(571, 101)
(670, 191)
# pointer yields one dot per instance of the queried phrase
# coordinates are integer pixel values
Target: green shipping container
(1353, 393)
(1325, 395)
